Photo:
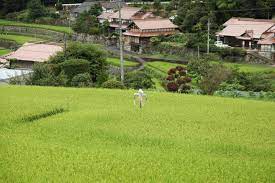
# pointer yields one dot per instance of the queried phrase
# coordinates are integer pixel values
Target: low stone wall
(90, 39)
(177, 61)
(113, 70)
(257, 58)
(8, 44)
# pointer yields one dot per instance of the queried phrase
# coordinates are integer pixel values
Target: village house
(244, 32)
(138, 26)
(128, 15)
(140, 31)
(107, 7)
(31, 53)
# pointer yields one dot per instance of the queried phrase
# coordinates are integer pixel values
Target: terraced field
(20, 39)
(67, 30)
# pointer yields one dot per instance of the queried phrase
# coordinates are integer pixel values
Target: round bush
(172, 86)
(170, 78)
(74, 67)
(172, 71)
(81, 80)
(138, 79)
(114, 84)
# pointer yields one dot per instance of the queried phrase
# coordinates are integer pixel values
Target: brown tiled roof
(126, 12)
(246, 21)
(35, 52)
(141, 16)
(237, 27)
(154, 24)
(116, 25)
(239, 30)
(105, 15)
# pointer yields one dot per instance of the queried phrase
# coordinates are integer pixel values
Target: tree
(87, 24)
(157, 6)
(93, 54)
(9, 6)
(95, 10)
(214, 77)
(35, 9)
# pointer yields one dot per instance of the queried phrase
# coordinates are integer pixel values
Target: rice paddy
(52, 134)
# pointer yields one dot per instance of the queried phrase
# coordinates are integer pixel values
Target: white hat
(140, 91)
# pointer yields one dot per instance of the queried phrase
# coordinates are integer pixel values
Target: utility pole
(208, 35)
(65, 46)
(121, 45)
(198, 52)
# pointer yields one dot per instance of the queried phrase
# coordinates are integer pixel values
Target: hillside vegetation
(85, 135)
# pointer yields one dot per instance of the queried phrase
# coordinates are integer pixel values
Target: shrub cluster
(113, 84)
(138, 79)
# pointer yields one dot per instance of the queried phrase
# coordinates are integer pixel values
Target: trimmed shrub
(75, 66)
(81, 80)
(113, 84)
(172, 86)
(138, 79)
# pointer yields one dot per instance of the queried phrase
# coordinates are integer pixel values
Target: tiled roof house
(244, 32)
(258, 34)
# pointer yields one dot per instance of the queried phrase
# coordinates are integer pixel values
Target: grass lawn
(116, 62)
(4, 51)
(48, 27)
(103, 137)
(20, 39)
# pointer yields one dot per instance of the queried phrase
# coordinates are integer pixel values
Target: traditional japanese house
(267, 44)
(128, 14)
(244, 32)
(140, 31)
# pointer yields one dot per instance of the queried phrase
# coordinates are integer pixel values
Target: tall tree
(9, 6)
(36, 9)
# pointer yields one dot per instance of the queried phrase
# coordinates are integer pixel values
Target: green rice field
(116, 62)
(162, 66)
(4, 51)
(67, 30)
(251, 67)
(51, 134)
(20, 39)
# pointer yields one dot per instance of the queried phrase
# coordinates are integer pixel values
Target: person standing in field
(141, 97)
